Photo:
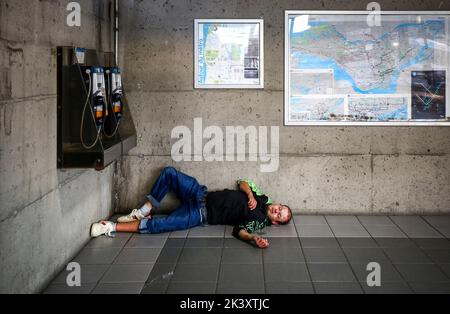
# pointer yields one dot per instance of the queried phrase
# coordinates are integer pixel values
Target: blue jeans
(191, 195)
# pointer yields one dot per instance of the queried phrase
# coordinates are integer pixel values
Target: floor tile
(64, 289)
(378, 231)
(331, 273)
(161, 273)
(144, 241)
(395, 243)
(388, 272)
(445, 268)
(118, 288)
(375, 221)
(438, 221)
(438, 256)
(408, 255)
(175, 243)
(179, 234)
(200, 256)
(106, 242)
(204, 243)
(365, 255)
(127, 273)
(415, 227)
(442, 244)
(89, 274)
(309, 220)
(342, 220)
(357, 243)
(289, 288)
(444, 230)
(138, 256)
(196, 273)
(97, 256)
(315, 255)
(319, 243)
(288, 231)
(229, 232)
(241, 273)
(123, 235)
(421, 273)
(389, 288)
(169, 255)
(192, 288)
(239, 288)
(286, 272)
(314, 231)
(284, 242)
(248, 255)
(337, 288)
(155, 288)
(207, 232)
(235, 243)
(431, 288)
(350, 231)
(283, 255)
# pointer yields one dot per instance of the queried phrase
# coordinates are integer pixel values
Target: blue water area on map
(309, 61)
(202, 62)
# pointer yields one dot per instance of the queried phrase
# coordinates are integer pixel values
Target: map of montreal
(229, 53)
(365, 72)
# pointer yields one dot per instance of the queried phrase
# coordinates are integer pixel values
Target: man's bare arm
(252, 203)
(260, 242)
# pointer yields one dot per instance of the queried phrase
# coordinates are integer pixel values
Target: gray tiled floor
(314, 254)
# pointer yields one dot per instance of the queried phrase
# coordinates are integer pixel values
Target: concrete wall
(323, 169)
(45, 214)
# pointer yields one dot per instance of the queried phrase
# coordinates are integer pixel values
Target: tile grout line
(306, 262)
(110, 265)
(425, 252)
(433, 227)
(392, 262)
(220, 265)
(154, 264)
(384, 252)
(176, 264)
(346, 257)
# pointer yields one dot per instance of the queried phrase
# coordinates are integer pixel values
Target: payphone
(114, 100)
(95, 126)
(95, 105)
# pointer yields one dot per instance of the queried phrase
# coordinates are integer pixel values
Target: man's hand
(252, 203)
(261, 242)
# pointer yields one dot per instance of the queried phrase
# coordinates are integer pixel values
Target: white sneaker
(102, 228)
(135, 215)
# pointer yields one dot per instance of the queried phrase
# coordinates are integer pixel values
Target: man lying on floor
(248, 210)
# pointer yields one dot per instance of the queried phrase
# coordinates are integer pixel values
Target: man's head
(279, 214)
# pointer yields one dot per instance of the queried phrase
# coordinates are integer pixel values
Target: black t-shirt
(231, 208)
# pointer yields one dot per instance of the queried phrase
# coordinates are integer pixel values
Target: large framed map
(343, 69)
(229, 53)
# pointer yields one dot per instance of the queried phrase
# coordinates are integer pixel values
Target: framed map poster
(229, 53)
(345, 68)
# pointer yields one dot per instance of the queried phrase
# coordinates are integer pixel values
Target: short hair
(291, 215)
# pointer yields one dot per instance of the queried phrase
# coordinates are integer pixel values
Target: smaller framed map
(229, 53)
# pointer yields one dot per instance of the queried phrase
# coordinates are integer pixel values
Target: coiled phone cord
(93, 117)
